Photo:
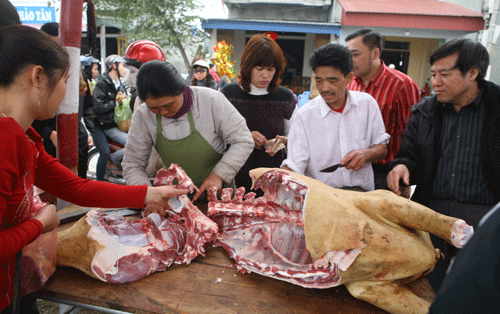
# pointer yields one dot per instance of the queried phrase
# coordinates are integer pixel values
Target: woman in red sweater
(33, 75)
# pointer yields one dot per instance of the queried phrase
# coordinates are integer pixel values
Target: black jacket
(420, 146)
(105, 100)
(86, 105)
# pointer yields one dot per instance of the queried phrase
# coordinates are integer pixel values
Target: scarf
(187, 104)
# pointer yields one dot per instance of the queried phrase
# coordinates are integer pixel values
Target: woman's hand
(153, 208)
(259, 139)
(159, 195)
(275, 145)
(211, 180)
(47, 215)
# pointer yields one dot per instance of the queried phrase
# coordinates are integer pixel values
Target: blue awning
(278, 26)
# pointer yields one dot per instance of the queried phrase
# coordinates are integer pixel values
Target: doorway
(396, 54)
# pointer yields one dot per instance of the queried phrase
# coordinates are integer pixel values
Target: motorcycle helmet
(112, 59)
(142, 51)
(87, 61)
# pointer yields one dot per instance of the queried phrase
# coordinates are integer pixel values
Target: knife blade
(331, 168)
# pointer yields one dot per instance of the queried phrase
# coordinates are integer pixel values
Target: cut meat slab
(115, 249)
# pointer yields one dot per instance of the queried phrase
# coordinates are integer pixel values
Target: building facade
(411, 29)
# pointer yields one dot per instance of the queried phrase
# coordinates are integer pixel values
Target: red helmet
(144, 51)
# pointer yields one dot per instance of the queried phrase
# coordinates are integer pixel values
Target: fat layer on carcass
(307, 233)
(115, 249)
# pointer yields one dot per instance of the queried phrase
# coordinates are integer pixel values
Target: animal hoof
(461, 233)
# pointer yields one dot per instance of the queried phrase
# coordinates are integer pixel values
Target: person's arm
(286, 168)
(232, 128)
(375, 132)
(298, 148)
(138, 148)
(14, 238)
(58, 180)
(53, 138)
(404, 167)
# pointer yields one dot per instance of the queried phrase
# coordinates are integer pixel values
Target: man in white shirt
(337, 127)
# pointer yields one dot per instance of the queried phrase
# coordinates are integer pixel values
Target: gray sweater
(215, 118)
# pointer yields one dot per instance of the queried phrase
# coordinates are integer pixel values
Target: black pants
(471, 214)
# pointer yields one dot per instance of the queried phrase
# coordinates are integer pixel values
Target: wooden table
(210, 284)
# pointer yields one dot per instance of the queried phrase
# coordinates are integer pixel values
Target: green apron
(193, 153)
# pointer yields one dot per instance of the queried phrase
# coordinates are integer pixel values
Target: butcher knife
(331, 168)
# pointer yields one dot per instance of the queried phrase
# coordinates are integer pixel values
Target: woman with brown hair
(266, 106)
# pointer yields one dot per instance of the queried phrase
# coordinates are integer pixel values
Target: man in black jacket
(451, 145)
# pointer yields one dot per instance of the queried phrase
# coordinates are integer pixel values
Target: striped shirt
(460, 173)
(395, 92)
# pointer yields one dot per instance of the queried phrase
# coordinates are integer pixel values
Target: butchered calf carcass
(307, 233)
(115, 249)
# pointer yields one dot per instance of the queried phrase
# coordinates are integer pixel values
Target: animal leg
(389, 296)
(407, 213)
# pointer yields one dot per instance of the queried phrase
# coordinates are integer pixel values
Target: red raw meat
(266, 238)
(117, 250)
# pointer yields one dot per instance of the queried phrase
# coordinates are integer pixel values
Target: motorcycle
(113, 174)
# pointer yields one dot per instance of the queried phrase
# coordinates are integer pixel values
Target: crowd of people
(368, 118)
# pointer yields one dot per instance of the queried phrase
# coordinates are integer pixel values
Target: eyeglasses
(199, 71)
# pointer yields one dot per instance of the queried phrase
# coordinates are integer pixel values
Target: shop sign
(36, 15)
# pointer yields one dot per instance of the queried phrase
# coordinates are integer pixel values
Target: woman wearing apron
(196, 128)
